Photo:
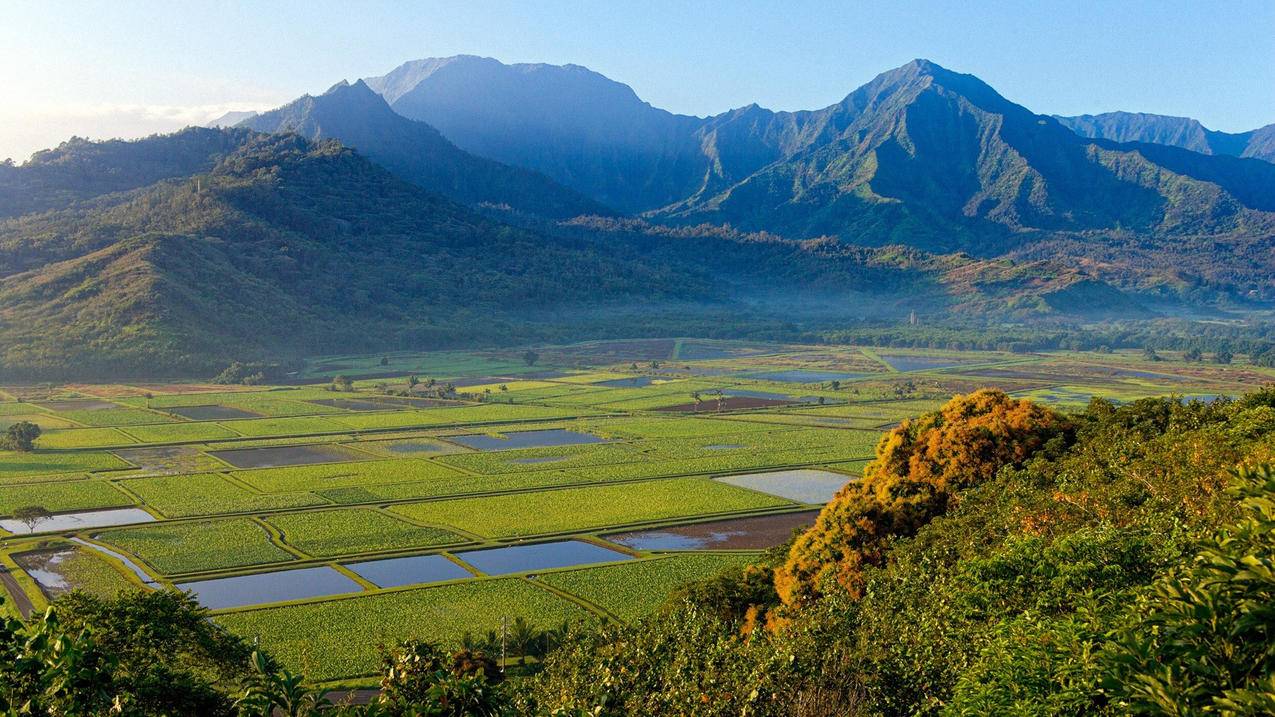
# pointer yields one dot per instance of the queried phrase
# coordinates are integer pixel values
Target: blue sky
(121, 68)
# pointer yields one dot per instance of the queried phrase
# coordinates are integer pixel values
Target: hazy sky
(125, 69)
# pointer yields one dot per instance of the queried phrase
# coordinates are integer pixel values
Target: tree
(835, 384)
(522, 639)
(342, 383)
(31, 516)
(413, 381)
(919, 467)
(1150, 354)
(530, 357)
(385, 360)
(1192, 355)
(20, 437)
(1223, 357)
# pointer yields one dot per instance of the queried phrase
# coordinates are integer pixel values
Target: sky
(128, 69)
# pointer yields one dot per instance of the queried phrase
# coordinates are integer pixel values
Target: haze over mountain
(920, 155)
(416, 152)
(1181, 132)
(340, 229)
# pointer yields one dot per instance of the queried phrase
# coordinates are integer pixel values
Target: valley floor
(439, 494)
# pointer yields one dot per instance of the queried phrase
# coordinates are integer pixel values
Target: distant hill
(1181, 132)
(416, 152)
(921, 156)
(580, 128)
(78, 169)
(283, 247)
(287, 247)
(230, 119)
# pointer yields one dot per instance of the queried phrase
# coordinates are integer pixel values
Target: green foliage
(1199, 639)
(20, 436)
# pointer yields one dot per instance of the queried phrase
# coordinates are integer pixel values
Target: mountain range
(1181, 132)
(461, 201)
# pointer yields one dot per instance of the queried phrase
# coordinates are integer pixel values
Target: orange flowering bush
(919, 467)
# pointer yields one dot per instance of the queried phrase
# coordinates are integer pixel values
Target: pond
(77, 404)
(797, 375)
(353, 404)
(803, 485)
(278, 586)
(274, 456)
(526, 439)
(756, 533)
(539, 556)
(408, 446)
(44, 567)
(77, 521)
(413, 570)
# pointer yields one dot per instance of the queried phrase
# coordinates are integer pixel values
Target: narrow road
(16, 593)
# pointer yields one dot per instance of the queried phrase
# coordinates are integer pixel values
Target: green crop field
(188, 547)
(632, 590)
(17, 465)
(583, 508)
(345, 475)
(179, 432)
(62, 496)
(327, 533)
(198, 494)
(394, 480)
(116, 417)
(85, 438)
(339, 638)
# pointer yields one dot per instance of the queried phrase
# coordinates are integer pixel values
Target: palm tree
(523, 638)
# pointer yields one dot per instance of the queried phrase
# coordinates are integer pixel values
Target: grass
(328, 533)
(339, 638)
(181, 496)
(584, 508)
(173, 548)
(635, 589)
(15, 464)
(62, 497)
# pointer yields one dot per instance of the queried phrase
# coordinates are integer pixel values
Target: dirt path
(16, 593)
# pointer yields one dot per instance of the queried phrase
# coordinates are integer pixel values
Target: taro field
(436, 494)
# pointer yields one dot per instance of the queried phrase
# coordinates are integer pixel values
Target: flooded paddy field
(346, 518)
(802, 486)
(262, 588)
(275, 456)
(526, 439)
(754, 533)
(539, 556)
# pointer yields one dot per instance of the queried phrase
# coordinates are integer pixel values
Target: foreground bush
(919, 467)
